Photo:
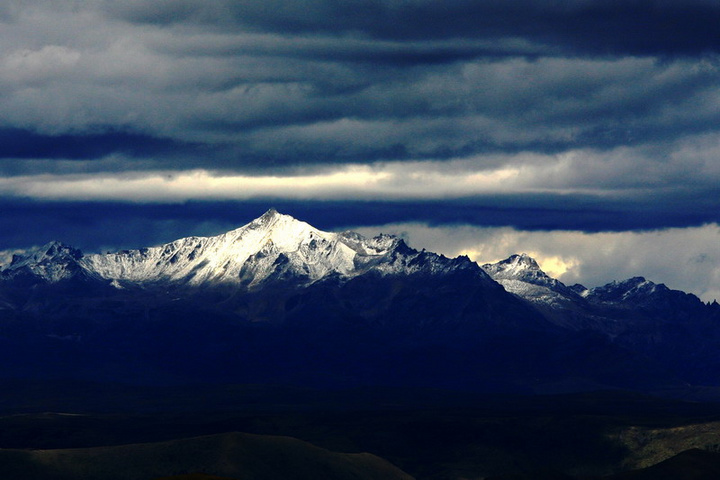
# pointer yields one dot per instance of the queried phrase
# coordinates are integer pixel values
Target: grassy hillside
(233, 455)
(649, 446)
(694, 464)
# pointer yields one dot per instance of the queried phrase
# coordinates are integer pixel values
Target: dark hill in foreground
(433, 435)
(234, 455)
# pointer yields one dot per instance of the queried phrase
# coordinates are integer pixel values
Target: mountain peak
(273, 247)
(626, 285)
(630, 289)
(270, 216)
(520, 274)
(519, 266)
(52, 262)
(274, 220)
(522, 261)
(53, 251)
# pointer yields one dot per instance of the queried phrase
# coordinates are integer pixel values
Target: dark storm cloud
(16, 143)
(580, 26)
(272, 85)
(595, 115)
(94, 226)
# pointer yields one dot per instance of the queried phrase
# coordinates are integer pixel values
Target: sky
(583, 132)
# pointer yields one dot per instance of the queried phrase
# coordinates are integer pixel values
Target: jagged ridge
(274, 247)
(53, 262)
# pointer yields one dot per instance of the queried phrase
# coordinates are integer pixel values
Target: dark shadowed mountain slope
(672, 328)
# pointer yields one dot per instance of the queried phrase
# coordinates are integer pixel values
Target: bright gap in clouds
(617, 172)
(347, 182)
(684, 166)
(685, 259)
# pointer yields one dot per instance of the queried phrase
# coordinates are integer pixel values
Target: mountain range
(278, 301)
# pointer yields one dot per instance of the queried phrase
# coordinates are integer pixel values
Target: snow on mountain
(272, 247)
(52, 262)
(270, 244)
(410, 304)
(519, 267)
(632, 289)
(277, 247)
(522, 276)
(637, 292)
(625, 311)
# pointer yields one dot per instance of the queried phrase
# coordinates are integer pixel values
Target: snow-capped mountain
(278, 300)
(632, 311)
(52, 262)
(521, 275)
(636, 289)
(275, 300)
(274, 247)
(519, 267)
